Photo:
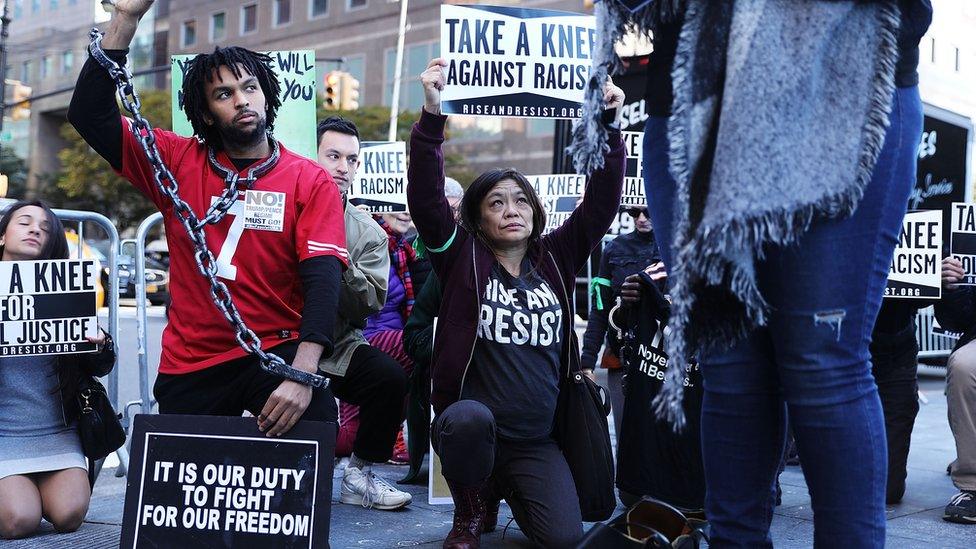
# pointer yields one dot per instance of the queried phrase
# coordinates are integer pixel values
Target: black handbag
(99, 427)
(581, 430)
(649, 523)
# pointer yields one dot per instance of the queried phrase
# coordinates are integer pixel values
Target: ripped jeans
(811, 358)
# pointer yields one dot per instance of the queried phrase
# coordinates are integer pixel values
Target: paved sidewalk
(915, 523)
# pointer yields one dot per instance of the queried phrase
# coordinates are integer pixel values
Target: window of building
(958, 61)
(26, 70)
(282, 12)
(53, 5)
(67, 61)
(218, 26)
(355, 4)
(45, 66)
(18, 9)
(317, 8)
(540, 127)
(35, 6)
(415, 59)
(189, 33)
(932, 50)
(249, 18)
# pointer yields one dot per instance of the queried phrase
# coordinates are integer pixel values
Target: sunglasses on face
(635, 212)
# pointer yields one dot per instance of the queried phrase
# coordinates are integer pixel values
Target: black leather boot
(469, 516)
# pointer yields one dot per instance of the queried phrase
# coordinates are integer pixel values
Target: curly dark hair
(204, 68)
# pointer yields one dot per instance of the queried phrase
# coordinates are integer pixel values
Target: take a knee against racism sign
(47, 307)
(201, 481)
(381, 181)
(515, 62)
(916, 266)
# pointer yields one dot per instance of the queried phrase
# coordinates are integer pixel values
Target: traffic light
(349, 94)
(20, 104)
(333, 81)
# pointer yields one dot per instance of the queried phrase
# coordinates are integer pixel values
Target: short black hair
(56, 246)
(479, 189)
(337, 124)
(205, 66)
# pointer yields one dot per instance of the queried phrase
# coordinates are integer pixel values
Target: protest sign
(962, 244)
(559, 194)
(633, 194)
(209, 481)
(515, 62)
(47, 307)
(916, 266)
(295, 122)
(381, 182)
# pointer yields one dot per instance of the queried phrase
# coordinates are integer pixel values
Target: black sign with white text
(207, 481)
(47, 307)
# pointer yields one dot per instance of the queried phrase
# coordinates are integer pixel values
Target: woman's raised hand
(613, 96)
(433, 79)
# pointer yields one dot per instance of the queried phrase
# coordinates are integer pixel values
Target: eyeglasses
(635, 212)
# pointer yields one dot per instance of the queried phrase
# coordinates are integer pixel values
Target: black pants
(532, 477)
(378, 385)
(895, 367)
(230, 388)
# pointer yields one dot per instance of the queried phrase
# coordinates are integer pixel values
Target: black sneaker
(961, 508)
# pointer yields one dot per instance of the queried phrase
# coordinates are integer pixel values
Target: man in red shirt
(280, 249)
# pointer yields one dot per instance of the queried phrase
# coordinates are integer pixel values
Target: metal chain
(167, 184)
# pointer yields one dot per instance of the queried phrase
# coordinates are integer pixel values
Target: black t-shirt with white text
(515, 367)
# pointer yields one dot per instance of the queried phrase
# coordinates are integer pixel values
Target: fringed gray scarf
(780, 111)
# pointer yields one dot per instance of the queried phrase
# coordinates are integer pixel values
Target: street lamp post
(4, 23)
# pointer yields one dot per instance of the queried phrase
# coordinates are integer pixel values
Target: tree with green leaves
(89, 182)
(15, 169)
(374, 125)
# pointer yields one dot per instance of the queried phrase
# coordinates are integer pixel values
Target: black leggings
(532, 476)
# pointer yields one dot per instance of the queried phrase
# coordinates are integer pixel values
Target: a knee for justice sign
(47, 307)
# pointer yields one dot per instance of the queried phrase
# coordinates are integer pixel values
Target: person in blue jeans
(811, 355)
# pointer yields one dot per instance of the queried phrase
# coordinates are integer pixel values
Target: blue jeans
(811, 358)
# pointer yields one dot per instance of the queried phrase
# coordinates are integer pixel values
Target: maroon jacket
(463, 263)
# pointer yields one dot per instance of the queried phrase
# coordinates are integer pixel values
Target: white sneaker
(365, 488)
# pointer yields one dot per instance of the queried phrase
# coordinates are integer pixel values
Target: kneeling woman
(505, 330)
(42, 469)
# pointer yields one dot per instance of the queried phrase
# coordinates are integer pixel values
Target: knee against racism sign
(47, 307)
(515, 62)
(916, 266)
(197, 481)
(295, 123)
(380, 183)
(561, 193)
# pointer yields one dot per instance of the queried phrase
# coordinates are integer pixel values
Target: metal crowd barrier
(111, 298)
(930, 344)
(145, 402)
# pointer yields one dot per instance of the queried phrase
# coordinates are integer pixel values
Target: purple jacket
(388, 318)
(463, 263)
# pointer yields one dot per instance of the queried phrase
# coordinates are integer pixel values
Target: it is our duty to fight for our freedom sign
(47, 307)
(515, 62)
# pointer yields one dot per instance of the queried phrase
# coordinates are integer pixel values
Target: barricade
(79, 218)
(145, 402)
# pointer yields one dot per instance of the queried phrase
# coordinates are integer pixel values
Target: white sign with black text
(916, 266)
(380, 183)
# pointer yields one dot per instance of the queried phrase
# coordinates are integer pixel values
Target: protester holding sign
(367, 381)
(280, 249)
(956, 311)
(504, 334)
(43, 471)
(748, 224)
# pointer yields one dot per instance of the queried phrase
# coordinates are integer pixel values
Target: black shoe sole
(959, 519)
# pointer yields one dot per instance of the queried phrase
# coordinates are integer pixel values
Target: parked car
(157, 274)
